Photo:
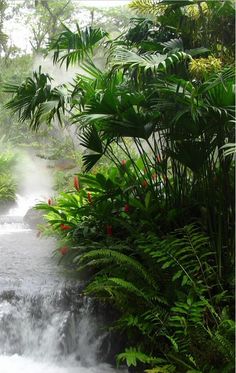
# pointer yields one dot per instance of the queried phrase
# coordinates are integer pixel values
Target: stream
(45, 326)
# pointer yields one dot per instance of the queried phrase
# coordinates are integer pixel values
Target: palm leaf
(35, 100)
(73, 47)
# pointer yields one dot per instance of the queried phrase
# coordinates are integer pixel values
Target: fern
(115, 286)
(224, 346)
(132, 356)
(118, 258)
(188, 253)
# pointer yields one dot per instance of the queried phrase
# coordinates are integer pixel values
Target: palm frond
(35, 100)
(173, 45)
(143, 6)
(73, 47)
(229, 149)
(124, 58)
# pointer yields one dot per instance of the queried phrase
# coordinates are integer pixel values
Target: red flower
(145, 183)
(126, 208)
(109, 230)
(65, 227)
(123, 162)
(76, 183)
(89, 198)
(49, 201)
(64, 250)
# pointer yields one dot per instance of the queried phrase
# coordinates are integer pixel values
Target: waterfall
(46, 326)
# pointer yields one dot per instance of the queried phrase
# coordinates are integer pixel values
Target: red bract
(49, 201)
(65, 227)
(64, 250)
(89, 198)
(109, 230)
(123, 162)
(145, 183)
(126, 208)
(76, 183)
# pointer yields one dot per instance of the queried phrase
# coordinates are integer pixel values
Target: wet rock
(64, 164)
(33, 217)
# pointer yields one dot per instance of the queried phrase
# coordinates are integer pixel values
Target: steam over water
(45, 325)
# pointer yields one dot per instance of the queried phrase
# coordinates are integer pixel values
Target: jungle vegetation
(152, 229)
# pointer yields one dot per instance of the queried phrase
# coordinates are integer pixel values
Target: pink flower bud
(76, 183)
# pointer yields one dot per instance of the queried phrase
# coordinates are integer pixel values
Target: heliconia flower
(49, 201)
(145, 183)
(123, 162)
(109, 230)
(65, 227)
(89, 198)
(76, 183)
(64, 250)
(126, 208)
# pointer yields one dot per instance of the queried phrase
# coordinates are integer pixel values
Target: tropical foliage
(7, 179)
(153, 233)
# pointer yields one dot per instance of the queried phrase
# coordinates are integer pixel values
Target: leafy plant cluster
(7, 179)
(153, 234)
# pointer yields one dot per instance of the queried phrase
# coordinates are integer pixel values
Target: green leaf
(147, 199)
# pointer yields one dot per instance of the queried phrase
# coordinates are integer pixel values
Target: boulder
(33, 218)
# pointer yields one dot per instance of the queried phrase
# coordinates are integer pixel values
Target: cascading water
(45, 326)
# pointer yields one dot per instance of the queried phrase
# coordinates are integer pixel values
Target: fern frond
(118, 258)
(115, 285)
(132, 356)
(185, 252)
(225, 346)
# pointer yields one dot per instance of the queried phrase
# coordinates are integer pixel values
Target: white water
(16, 364)
(45, 325)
